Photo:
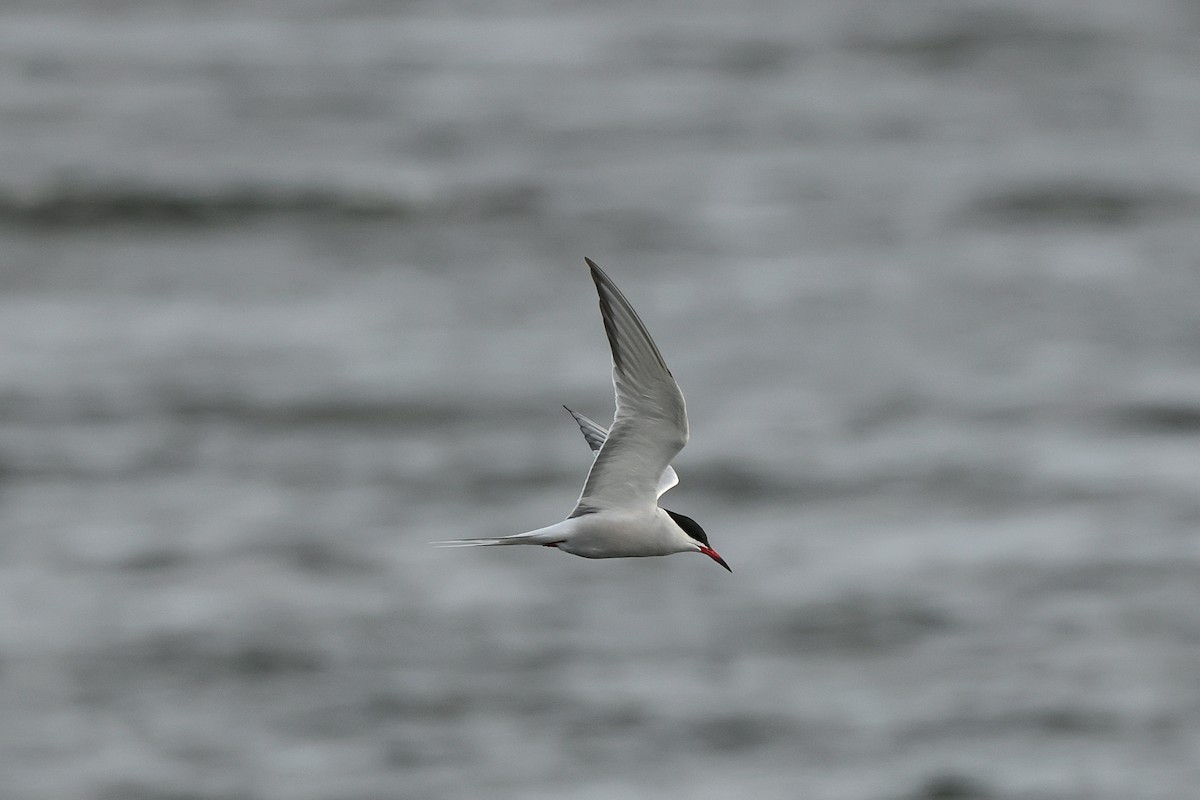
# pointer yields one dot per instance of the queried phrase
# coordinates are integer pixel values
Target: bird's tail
(479, 542)
(552, 535)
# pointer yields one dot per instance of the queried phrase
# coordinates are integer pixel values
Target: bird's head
(698, 537)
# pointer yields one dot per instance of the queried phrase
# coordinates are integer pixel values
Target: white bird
(617, 514)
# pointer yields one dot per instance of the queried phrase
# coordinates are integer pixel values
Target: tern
(617, 514)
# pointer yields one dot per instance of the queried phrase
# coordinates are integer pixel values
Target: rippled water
(288, 291)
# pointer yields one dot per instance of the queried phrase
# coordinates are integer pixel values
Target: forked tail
(551, 535)
(478, 542)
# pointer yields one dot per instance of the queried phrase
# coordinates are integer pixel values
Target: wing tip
(599, 276)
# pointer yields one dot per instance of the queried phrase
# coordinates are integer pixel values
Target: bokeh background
(290, 289)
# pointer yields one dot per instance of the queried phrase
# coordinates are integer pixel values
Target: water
(290, 290)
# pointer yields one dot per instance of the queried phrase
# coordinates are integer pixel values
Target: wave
(1080, 201)
(75, 203)
(1164, 417)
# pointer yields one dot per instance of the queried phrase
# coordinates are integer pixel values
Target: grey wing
(595, 434)
(650, 427)
(592, 431)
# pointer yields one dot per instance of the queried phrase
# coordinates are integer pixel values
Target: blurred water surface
(289, 290)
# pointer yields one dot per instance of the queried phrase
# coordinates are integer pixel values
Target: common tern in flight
(617, 514)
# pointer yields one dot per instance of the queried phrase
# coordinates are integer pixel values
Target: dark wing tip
(598, 275)
(606, 291)
(614, 304)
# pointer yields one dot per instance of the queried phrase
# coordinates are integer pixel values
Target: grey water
(290, 290)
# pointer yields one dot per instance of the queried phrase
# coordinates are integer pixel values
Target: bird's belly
(618, 539)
